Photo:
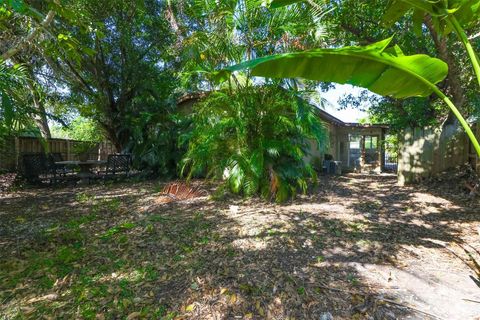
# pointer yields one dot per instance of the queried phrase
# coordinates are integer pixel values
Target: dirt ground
(357, 247)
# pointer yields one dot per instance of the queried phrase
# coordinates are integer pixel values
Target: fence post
(17, 153)
(68, 151)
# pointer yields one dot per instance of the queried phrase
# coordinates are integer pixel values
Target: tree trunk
(453, 80)
(40, 115)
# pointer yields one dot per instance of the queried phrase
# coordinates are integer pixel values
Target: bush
(255, 139)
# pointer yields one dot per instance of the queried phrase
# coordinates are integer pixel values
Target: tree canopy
(123, 65)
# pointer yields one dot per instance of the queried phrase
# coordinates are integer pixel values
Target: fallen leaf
(28, 310)
(133, 315)
(49, 297)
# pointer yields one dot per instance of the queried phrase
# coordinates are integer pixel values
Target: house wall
(426, 152)
(317, 156)
(343, 138)
(339, 143)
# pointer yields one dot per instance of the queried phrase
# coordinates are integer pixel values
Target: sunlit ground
(357, 247)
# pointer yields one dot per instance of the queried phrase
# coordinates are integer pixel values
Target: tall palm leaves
(256, 139)
(12, 112)
(219, 33)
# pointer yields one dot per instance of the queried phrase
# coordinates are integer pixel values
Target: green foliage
(13, 114)
(386, 71)
(446, 16)
(256, 139)
(154, 141)
(84, 147)
(120, 67)
(81, 128)
(117, 229)
(466, 12)
(217, 33)
(411, 113)
(281, 3)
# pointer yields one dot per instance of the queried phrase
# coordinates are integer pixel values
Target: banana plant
(381, 68)
(447, 16)
(360, 66)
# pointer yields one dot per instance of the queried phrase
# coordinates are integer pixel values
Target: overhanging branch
(13, 51)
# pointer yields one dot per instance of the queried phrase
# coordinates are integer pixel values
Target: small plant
(84, 197)
(83, 149)
(117, 229)
(301, 291)
(353, 279)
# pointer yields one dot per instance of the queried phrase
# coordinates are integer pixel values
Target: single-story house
(357, 147)
(353, 146)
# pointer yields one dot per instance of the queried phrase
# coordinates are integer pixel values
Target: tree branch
(13, 51)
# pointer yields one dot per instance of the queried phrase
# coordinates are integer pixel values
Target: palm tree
(256, 138)
(216, 34)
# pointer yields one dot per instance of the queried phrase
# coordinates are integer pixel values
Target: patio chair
(117, 165)
(36, 168)
(59, 168)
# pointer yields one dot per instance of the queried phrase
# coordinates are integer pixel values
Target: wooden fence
(428, 151)
(11, 149)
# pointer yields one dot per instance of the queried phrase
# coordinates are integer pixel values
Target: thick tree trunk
(40, 115)
(41, 121)
(112, 136)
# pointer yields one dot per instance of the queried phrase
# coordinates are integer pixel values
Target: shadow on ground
(358, 247)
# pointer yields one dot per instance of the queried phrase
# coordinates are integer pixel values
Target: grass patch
(117, 229)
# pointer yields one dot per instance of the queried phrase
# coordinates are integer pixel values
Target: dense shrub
(256, 139)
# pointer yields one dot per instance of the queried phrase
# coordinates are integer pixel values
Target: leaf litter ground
(357, 247)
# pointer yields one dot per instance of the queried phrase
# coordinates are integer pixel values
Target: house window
(354, 151)
(355, 141)
(371, 142)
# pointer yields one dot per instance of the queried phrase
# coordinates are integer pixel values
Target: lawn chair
(36, 168)
(117, 165)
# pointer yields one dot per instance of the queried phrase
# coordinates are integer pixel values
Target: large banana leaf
(387, 72)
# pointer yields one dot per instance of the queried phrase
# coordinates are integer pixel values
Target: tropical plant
(13, 114)
(447, 16)
(256, 139)
(8, 8)
(217, 33)
(115, 59)
(24, 26)
(383, 70)
(154, 141)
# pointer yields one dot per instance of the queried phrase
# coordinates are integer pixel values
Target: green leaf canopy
(465, 11)
(387, 72)
(281, 3)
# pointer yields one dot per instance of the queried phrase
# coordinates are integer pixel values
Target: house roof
(329, 118)
(322, 113)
